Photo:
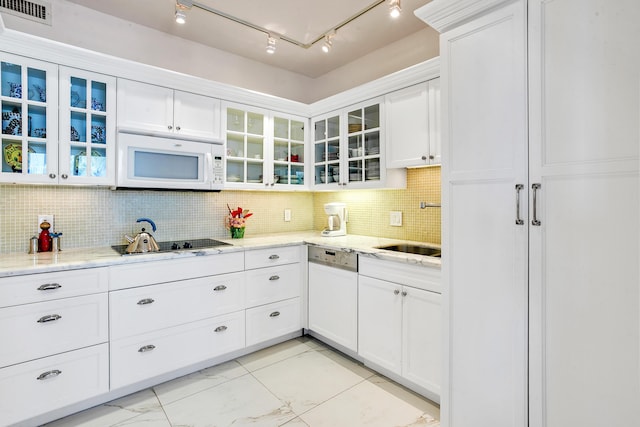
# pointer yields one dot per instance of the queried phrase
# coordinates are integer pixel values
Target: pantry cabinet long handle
(535, 220)
(49, 318)
(519, 220)
(49, 286)
(49, 374)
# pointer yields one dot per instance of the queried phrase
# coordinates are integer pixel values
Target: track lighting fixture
(271, 43)
(328, 41)
(181, 7)
(394, 8)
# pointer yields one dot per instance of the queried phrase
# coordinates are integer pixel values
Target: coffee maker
(337, 220)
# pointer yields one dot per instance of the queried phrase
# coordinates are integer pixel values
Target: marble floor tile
(242, 401)
(182, 387)
(274, 354)
(368, 404)
(306, 380)
(114, 412)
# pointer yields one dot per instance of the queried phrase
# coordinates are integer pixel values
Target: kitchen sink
(413, 249)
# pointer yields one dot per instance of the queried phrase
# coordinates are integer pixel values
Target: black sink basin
(413, 249)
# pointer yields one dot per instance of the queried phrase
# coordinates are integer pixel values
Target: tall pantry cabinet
(541, 137)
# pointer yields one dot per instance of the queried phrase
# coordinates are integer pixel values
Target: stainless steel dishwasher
(333, 297)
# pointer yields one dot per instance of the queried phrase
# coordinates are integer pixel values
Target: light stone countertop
(15, 264)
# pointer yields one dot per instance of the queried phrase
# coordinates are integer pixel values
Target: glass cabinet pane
(11, 119)
(297, 131)
(372, 117)
(36, 158)
(37, 82)
(11, 76)
(255, 123)
(320, 130)
(98, 129)
(235, 120)
(78, 126)
(98, 96)
(333, 127)
(78, 98)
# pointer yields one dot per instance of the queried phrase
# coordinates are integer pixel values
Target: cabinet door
(364, 144)
(29, 103)
(196, 115)
(422, 338)
(485, 251)
(407, 121)
(289, 150)
(380, 323)
(435, 144)
(333, 304)
(87, 127)
(326, 151)
(144, 107)
(585, 280)
(247, 145)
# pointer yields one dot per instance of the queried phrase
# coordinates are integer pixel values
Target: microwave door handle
(208, 169)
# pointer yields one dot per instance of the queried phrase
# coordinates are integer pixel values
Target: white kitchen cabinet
(87, 128)
(413, 125)
(400, 326)
(333, 305)
(543, 273)
(34, 388)
(144, 107)
(349, 149)
(145, 356)
(29, 103)
(264, 149)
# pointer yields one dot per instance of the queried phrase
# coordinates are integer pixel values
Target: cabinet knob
(52, 175)
(64, 176)
(431, 157)
(177, 127)
(396, 292)
(424, 157)
(404, 293)
(169, 127)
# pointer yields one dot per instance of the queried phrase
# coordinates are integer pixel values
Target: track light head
(181, 10)
(394, 8)
(181, 17)
(328, 41)
(271, 44)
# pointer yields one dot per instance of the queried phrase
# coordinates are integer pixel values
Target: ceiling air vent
(35, 10)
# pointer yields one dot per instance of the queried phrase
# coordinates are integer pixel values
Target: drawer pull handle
(274, 256)
(146, 348)
(145, 301)
(275, 314)
(49, 286)
(49, 374)
(220, 288)
(220, 329)
(49, 318)
(274, 277)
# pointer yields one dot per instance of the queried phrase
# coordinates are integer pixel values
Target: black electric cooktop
(176, 245)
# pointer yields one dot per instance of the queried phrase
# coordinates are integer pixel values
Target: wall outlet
(395, 218)
(42, 218)
(287, 215)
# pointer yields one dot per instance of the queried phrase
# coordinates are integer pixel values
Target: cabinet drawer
(260, 258)
(138, 358)
(153, 272)
(427, 278)
(148, 308)
(34, 388)
(266, 285)
(47, 286)
(273, 320)
(36, 330)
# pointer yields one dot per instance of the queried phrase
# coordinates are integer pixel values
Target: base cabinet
(400, 326)
(37, 387)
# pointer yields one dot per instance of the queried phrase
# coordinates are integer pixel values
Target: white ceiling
(300, 20)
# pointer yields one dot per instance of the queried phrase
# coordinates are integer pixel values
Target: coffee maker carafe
(337, 219)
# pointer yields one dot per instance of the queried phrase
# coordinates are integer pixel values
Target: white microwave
(147, 161)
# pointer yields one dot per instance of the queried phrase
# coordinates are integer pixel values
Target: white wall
(89, 29)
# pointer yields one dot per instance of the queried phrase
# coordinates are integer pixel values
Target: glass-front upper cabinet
(326, 150)
(28, 95)
(246, 132)
(288, 150)
(87, 127)
(348, 147)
